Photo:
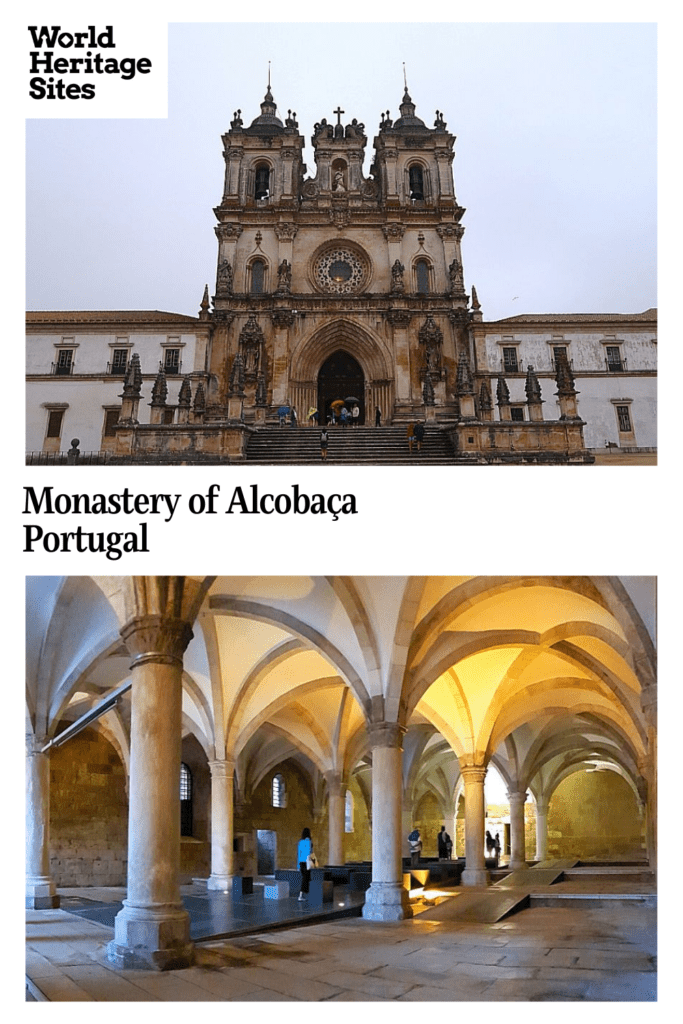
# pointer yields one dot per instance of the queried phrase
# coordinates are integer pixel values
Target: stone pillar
(648, 769)
(542, 829)
(386, 899)
(222, 772)
(400, 322)
(475, 872)
(335, 814)
(517, 800)
(40, 888)
(153, 928)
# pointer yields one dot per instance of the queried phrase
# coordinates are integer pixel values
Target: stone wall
(358, 844)
(195, 851)
(594, 816)
(88, 813)
(429, 821)
(288, 822)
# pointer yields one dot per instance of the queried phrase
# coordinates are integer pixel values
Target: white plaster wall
(596, 396)
(586, 349)
(86, 401)
(94, 351)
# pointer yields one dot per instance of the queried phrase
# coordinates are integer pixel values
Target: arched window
(258, 277)
(422, 277)
(279, 792)
(348, 812)
(185, 800)
(416, 182)
(262, 184)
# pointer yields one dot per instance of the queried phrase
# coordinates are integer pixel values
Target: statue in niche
(455, 274)
(224, 278)
(284, 277)
(338, 182)
(397, 286)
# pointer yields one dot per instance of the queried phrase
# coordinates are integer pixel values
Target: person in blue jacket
(304, 851)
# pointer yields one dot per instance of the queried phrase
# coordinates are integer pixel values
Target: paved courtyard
(545, 953)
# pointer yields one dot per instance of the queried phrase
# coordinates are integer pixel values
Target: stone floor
(542, 954)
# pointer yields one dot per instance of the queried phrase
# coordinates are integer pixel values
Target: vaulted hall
(183, 732)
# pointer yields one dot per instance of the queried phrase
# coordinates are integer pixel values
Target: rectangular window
(54, 423)
(65, 358)
(624, 417)
(559, 353)
(172, 360)
(517, 413)
(510, 364)
(119, 361)
(111, 418)
(614, 358)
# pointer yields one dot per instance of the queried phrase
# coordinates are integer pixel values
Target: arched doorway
(341, 376)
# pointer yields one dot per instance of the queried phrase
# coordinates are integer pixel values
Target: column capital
(473, 772)
(334, 783)
(34, 744)
(222, 768)
(518, 794)
(386, 734)
(156, 638)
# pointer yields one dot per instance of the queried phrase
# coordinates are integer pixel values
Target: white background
(496, 521)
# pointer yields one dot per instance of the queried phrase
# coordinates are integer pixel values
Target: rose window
(340, 270)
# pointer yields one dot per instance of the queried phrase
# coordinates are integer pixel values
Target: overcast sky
(555, 159)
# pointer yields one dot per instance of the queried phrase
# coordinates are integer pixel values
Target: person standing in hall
(415, 843)
(304, 851)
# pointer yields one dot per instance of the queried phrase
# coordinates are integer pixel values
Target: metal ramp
(486, 906)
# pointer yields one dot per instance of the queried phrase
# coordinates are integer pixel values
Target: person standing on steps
(324, 438)
(378, 417)
(295, 419)
(410, 434)
(355, 416)
(419, 433)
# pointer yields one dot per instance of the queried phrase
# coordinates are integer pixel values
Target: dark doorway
(340, 377)
(266, 851)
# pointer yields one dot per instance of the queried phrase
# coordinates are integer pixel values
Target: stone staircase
(383, 446)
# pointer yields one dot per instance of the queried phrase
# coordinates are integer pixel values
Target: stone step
(351, 445)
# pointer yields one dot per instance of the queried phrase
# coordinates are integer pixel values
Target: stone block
(320, 892)
(276, 890)
(242, 885)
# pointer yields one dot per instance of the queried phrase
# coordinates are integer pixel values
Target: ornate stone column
(40, 888)
(153, 928)
(400, 322)
(386, 899)
(542, 829)
(335, 813)
(517, 800)
(222, 773)
(475, 872)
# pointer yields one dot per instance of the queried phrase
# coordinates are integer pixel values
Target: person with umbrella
(355, 410)
(344, 416)
(336, 407)
(283, 413)
(312, 416)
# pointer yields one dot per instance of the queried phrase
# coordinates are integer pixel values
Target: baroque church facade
(340, 286)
